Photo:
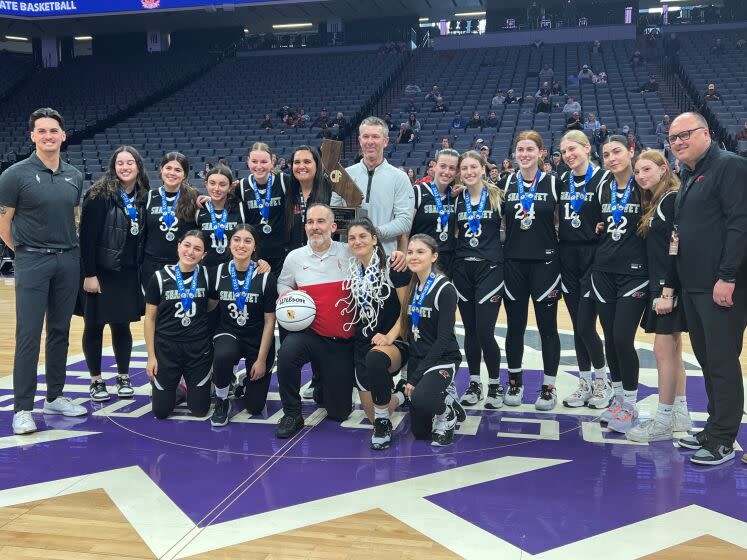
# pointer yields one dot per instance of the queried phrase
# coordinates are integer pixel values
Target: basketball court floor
(517, 483)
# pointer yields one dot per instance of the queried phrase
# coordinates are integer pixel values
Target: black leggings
(588, 344)
(479, 336)
(93, 341)
(620, 323)
(546, 313)
(227, 351)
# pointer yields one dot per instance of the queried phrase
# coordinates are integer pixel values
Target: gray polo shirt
(44, 202)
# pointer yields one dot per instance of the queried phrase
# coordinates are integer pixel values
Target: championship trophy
(343, 185)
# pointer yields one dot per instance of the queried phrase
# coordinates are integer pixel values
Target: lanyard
(618, 204)
(263, 205)
(218, 228)
(240, 291)
(129, 206)
(443, 212)
(417, 302)
(473, 218)
(186, 297)
(578, 199)
(168, 212)
(527, 198)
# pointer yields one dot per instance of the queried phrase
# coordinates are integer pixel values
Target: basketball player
(427, 323)
(663, 315)
(619, 278)
(110, 226)
(246, 301)
(169, 214)
(434, 205)
(531, 268)
(578, 241)
(478, 275)
(176, 329)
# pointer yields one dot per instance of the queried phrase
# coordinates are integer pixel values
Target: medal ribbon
(418, 299)
(129, 206)
(443, 213)
(186, 297)
(218, 228)
(618, 204)
(240, 292)
(578, 198)
(264, 205)
(473, 218)
(527, 198)
(168, 212)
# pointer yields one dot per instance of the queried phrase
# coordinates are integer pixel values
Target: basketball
(295, 311)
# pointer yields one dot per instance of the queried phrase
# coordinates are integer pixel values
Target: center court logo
(150, 4)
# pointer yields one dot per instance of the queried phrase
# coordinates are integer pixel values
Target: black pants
(332, 362)
(45, 285)
(93, 341)
(716, 335)
(193, 360)
(479, 336)
(620, 321)
(429, 398)
(227, 351)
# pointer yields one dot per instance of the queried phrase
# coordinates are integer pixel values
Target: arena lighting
(469, 14)
(423, 19)
(83, 38)
(292, 25)
(16, 38)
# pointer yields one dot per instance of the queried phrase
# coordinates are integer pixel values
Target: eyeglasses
(684, 135)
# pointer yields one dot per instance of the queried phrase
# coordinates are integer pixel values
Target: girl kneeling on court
(246, 299)
(177, 332)
(427, 323)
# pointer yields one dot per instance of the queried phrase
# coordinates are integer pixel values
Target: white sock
(475, 378)
(601, 373)
(381, 412)
(400, 397)
(680, 402)
(664, 414)
(617, 386)
(630, 397)
(548, 380)
(221, 393)
(585, 375)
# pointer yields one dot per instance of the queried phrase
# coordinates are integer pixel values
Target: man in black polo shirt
(710, 240)
(38, 197)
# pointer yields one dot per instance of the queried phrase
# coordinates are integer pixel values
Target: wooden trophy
(343, 185)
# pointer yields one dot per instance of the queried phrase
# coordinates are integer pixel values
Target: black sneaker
(382, 436)
(98, 391)
(494, 400)
(400, 388)
(443, 432)
(288, 426)
(221, 413)
(712, 454)
(695, 441)
(473, 394)
(124, 387)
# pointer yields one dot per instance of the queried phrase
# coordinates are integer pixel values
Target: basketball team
(629, 243)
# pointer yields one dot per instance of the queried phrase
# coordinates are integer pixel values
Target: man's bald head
(690, 151)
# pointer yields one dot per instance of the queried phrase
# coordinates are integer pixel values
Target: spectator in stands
(389, 122)
(600, 78)
(585, 74)
(497, 100)
(283, 166)
(434, 94)
(429, 173)
(322, 121)
(476, 121)
(711, 94)
(405, 135)
(489, 163)
(283, 112)
(411, 107)
(458, 121)
(544, 105)
(510, 98)
(556, 88)
(203, 173)
(479, 143)
(543, 90)
(742, 134)
(414, 124)
(547, 73)
(650, 86)
(718, 47)
(439, 107)
(600, 137)
(624, 129)
(445, 143)
(493, 120)
(591, 123)
(637, 59)
(571, 106)
(411, 175)
(494, 176)
(558, 165)
(596, 47)
(339, 126)
(302, 118)
(266, 122)
(547, 168)
(506, 170)
(662, 132)
(634, 144)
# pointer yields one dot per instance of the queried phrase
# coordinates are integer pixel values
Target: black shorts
(361, 350)
(575, 267)
(538, 279)
(479, 281)
(670, 323)
(193, 360)
(608, 287)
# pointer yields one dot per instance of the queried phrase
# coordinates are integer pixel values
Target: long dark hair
(369, 226)
(321, 191)
(252, 231)
(187, 206)
(405, 321)
(232, 201)
(607, 185)
(109, 184)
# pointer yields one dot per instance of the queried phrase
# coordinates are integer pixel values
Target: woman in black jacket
(110, 227)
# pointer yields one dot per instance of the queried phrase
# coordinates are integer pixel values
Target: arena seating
(468, 80)
(14, 68)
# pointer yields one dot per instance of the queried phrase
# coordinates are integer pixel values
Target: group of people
(626, 244)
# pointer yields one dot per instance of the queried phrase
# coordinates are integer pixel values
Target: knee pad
(377, 362)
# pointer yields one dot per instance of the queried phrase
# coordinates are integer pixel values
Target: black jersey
(657, 242)
(427, 219)
(385, 314)
(540, 241)
(261, 299)
(620, 250)
(205, 223)
(436, 342)
(163, 291)
(487, 236)
(156, 234)
(589, 216)
(269, 244)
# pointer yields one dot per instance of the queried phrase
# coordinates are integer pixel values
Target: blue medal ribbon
(218, 227)
(240, 293)
(263, 205)
(443, 212)
(618, 204)
(168, 212)
(418, 299)
(578, 198)
(473, 218)
(187, 297)
(129, 206)
(527, 198)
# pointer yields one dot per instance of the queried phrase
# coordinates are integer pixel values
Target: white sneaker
(681, 421)
(308, 393)
(514, 395)
(23, 423)
(602, 394)
(547, 399)
(64, 406)
(650, 431)
(580, 396)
